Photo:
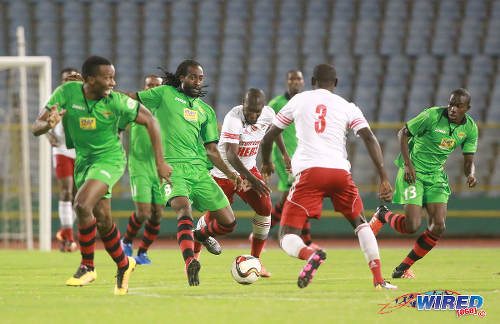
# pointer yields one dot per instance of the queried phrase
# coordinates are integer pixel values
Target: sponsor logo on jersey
(447, 143)
(87, 123)
(190, 115)
(106, 173)
(440, 131)
(107, 114)
(462, 134)
(179, 99)
(201, 110)
(77, 107)
(131, 103)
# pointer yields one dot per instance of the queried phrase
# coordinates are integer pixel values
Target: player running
(91, 114)
(426, 141)
(184, 118)
(64, 163)
(146, 187)
(242, 131)
(321, 169)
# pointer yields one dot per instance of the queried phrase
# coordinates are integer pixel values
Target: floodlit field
(32, 289)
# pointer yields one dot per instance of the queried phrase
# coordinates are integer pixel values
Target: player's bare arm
(215, 157)
(232, 156)
(144, 117)
(286, 158)
(132, 95)
(373, 147)
(267, 146)
(470, 170)
(47, 120)
(409, 170)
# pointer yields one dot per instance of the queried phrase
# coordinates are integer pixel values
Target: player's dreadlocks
(174, 79)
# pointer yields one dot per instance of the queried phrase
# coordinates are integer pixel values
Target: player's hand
(55, 116)
(164, 171)
(471, 181)
(246, 185)
(260, 187)
(410, 175)
(74, 76)
(266, 170)
(385, 191)
(53, 140)
(288, 164)
(236, 181)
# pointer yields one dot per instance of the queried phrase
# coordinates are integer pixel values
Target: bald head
(152, 81)
(253, 103)
(324, 76)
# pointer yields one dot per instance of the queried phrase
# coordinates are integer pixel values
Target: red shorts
(64, 166)
(261, 205)
(305, 199)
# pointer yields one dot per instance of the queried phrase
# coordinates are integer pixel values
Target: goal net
(25, 161)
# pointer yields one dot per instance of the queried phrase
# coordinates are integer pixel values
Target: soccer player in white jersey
(242, 131)
(321, 169)
(64, 163)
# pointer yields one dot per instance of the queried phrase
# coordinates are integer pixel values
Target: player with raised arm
(91, 114)
(242, 131)
(64, 164)
(184, 118)
(294, 85)
(146, 187)
(321, 169)
(426, 141)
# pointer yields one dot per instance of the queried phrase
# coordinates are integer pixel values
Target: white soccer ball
(246, 269)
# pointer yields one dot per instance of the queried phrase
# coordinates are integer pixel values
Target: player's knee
(228, 228)
(412, 225)
(82, 208)
(143, 213)
(437, 227)
(156, 216)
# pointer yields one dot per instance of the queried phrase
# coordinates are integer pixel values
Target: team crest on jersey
(461, 134)
(447, 143)
(190, 115)
(87, 123)
(107, 114)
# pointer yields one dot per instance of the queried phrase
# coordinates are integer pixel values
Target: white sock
(292, 244)
(66, 214)
(261, 226)
(367, 242)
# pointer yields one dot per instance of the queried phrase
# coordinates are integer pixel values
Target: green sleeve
(57, 97)
(275, 105)
(127, 108)
(152, 98)
(418, 125)
(209, 131)
(470, 143)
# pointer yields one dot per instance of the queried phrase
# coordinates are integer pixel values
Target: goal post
(42, 66)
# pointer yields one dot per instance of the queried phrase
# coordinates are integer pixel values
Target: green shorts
(147, 189)
(285, 179)
(196, 183)
(107, 171)
(428, 188)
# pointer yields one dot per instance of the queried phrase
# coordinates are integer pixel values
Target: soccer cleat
(263, 272)
(192, 270)
(142, 259)
(209, 243)
(378, 219)
(70, 246)
(127, 248)
(385, 285)
(306, 275)
(404, 274)
(122, 277)
(62, 241)
(82, 277)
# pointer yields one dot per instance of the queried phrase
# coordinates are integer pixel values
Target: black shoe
(306, 275)
(192, 271)
(403, 273)
(209, 243)
(380, 213)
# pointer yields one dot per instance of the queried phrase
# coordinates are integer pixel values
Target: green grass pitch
(32, 289)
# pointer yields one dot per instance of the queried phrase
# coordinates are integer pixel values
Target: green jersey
(183, 121)
(91, 126)
(289, 136)
(434, 138)
(141, 157)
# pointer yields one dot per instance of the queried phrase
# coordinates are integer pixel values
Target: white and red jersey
(58, 132)
(322, 120)
(236, 130)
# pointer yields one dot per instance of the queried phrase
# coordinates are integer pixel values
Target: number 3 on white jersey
(320, 123)
(410, 192)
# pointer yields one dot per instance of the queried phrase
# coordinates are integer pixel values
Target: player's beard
(191, 91)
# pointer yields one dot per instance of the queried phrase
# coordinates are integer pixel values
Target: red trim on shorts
(64, 166)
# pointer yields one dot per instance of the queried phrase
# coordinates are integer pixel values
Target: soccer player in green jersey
(91, 114)
(426, 141)
(184, 118)
(146, 187)
(294, 85)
